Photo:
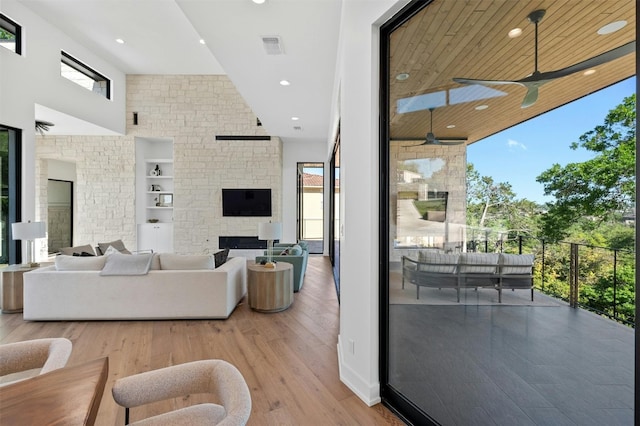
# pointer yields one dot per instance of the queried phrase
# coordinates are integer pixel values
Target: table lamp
(29, 231)
(269, 231)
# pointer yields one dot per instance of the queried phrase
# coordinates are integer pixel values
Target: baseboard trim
(368, 393)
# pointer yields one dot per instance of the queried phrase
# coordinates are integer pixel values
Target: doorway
(60, 214)
(310, 206)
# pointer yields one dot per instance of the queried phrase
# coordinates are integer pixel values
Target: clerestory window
(10, 34)
(83, 75)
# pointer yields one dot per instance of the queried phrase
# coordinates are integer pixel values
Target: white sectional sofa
(175, 287)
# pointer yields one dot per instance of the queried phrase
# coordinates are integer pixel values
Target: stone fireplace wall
(191, 110)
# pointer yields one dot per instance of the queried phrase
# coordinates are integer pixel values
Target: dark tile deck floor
(513, 365)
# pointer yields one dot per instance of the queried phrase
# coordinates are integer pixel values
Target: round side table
(270, 289)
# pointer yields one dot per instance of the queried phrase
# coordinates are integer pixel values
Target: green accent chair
(297, 256)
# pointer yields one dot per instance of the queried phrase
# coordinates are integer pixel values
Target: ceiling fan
(431, 138)
(43, 126)
(534, 81)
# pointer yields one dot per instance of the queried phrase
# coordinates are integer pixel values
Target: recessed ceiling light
(481, 107)
(402, 76)
(295, 118)
(120, 41)
(202, 41)
(612, 27)
(284, 83)
(516, 32)
(451, 126)
(589, 72)
(258, 1)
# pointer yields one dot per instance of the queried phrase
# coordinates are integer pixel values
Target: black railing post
(486, 241)
(543, 264)
(519, 244)
(573, 276)
(615, 284)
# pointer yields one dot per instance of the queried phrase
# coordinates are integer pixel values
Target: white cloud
(512, 144)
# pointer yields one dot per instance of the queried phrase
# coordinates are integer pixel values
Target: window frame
(87, 71)
(9, 25)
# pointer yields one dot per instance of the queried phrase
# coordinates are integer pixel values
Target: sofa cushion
(79, 263)
(473, 263)
(117, 244)
(155, 262)
(516, 263)
(186, 262)
(295, 250)
(78, 250)
(126, 264)
(438, 262)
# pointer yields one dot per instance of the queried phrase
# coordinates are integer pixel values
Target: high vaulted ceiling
(470, 39)
(163, 37)
(448, 38)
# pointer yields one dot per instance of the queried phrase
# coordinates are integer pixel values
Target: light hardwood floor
(289, 359)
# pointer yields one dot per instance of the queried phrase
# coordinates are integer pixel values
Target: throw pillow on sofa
(79, 263)
(124, 264)
(78, 250)
(117, 244)
(185, 262)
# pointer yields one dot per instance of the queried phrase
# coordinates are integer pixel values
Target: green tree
(483, 195)
(601, 188)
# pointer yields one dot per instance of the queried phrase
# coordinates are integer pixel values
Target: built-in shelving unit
(154, 193)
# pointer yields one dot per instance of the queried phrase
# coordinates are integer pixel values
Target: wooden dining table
(66, 396)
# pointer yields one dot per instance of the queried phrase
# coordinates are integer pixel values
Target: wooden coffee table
(270, 289)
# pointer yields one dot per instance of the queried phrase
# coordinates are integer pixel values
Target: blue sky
(519, 154)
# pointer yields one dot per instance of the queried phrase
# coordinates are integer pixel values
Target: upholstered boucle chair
(216, 377)
(45, 354)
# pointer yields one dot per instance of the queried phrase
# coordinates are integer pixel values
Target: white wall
(34, 78)
(357, 83)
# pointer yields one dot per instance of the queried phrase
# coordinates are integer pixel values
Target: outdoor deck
(542, 364)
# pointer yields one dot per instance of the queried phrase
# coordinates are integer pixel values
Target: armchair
(295, 255)
(45, 354)
(214, 376)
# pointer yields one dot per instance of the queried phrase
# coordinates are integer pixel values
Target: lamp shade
(269, 231)
(28, 230)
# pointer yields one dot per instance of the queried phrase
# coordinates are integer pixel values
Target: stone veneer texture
(190, 110)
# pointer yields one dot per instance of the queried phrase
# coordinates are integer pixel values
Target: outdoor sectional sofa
(469, 270)
(97, 288)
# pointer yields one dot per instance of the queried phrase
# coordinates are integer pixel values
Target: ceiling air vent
(272, 45)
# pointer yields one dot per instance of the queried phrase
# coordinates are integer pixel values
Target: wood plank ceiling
(455, 38)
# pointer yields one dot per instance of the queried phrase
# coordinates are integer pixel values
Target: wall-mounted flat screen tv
(246, 202)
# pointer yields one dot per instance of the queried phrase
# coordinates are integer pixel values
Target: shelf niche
(154, 193)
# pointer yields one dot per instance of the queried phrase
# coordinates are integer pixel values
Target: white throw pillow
(79, 263)
(438, 262)
(127, 264)
(186, 262)
(516, 263)
(471, 263)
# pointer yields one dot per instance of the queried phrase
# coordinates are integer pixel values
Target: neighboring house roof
(309, 179)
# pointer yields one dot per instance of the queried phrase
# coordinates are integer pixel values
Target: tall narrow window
(10, 161)
(84, 76)
(10, 34)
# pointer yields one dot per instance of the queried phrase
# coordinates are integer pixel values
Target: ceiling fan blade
(485, 82)
(531, 97)
(603, 58)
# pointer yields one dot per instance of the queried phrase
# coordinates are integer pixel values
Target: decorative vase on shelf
(157, 170)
